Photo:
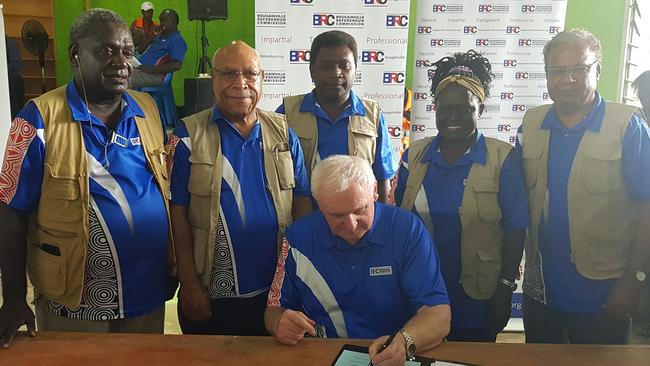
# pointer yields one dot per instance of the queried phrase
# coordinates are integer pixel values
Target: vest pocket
(364, 137)
(47, 271)
(284, 166)
(602, 176)
(487, 202)
(200, 188)
(60, 200)
(489, 267)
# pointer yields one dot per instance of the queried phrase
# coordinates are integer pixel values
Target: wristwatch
(640, 276)
(509, 284)
(410, 346)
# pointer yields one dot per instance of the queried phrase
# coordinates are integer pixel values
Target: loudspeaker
(207, 9)
(198, 95)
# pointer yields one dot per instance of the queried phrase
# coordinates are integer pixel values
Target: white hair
(337, 173)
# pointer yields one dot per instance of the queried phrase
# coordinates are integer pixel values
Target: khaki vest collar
(79, 109)
(477, 152)
(591, 122)
(310, 104)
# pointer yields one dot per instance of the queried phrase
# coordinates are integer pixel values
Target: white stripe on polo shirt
(421, 205)
(308, 274)
(230, 177)
(102, 177)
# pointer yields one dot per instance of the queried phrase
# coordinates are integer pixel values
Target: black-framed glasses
(231, 75)
(576, 72)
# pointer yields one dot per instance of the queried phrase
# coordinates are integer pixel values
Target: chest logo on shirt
(135, 141)
(119, 140)
(381, 271)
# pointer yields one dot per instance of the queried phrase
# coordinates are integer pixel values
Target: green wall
(605, 18)
(239, 25)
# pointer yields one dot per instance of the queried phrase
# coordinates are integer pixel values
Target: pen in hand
(386, 344)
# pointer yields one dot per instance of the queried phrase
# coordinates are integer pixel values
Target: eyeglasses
(231, 75)
(576, 72)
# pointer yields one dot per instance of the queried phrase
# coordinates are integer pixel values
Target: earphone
(105, 145)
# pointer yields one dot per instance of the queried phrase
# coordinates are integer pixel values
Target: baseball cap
(147, 5)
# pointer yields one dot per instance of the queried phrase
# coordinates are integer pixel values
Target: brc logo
(528, 8)
(439, 8)
(522, 75)
(419, 128)
(507, 95)
(437, 42)
(482, 42)
(394, 131)
(301, 1)
(502, 128)
(512, 139)
(554, 29)
(513, 29)
(397, 20)
(470, 29)
(324, 19)
(430, 108)
(393, 78)
(509, 63)
(545, 96)
(373, 2)
(372, 56)
(525, 42)
(424, 30)
(299, 56)
(518, 107)
(422, 63)
(484, 8)
(420, 96)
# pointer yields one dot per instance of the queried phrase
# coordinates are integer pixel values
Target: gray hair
(338, 172)
(83, 25)
(575, 35)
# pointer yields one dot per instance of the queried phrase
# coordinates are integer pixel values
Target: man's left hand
(623, 298)
(393, 355)
(500, 306)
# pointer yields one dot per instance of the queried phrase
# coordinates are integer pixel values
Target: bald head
(237, 81)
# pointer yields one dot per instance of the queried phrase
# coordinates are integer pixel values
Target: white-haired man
(358, 269)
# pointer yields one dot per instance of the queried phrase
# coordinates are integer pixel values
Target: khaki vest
(62, 216)
(602, 217)
(480, 215)
(207, 171)
(362, 130)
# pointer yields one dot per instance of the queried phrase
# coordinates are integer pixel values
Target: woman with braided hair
(469, 191)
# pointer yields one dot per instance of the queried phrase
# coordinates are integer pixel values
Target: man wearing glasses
(587, 169)
(237, 180)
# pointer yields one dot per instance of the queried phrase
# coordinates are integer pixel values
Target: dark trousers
(544, 324)
(233, 316)
(471, 335)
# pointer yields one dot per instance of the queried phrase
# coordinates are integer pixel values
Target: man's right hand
(194, 300)
(292, 327)
(12, 316)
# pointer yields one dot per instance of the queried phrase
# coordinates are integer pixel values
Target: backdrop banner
(284, 31)
(511, 34)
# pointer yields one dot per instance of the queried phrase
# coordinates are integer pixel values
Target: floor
(172, 327)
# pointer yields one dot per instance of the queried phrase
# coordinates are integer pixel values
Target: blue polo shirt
(126, 263)
(165, 49)
(333, 135)
(563, 287)
(248, 212)
(364, 290)
(444, 186)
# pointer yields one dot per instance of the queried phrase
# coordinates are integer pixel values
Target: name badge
(381, 271)
(119, 140)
